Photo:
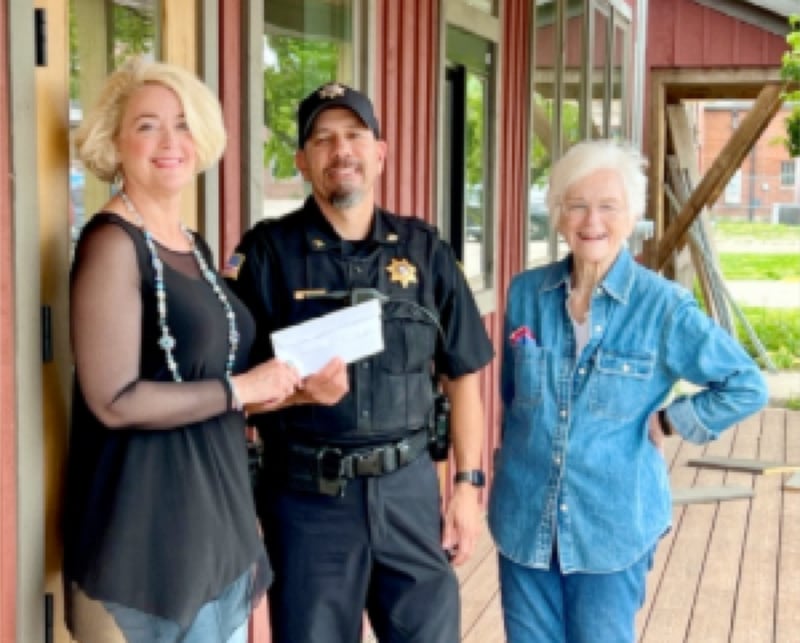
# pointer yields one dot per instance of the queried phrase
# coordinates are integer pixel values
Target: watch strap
(475, 477)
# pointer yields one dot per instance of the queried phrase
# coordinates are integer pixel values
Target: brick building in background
(766, 188)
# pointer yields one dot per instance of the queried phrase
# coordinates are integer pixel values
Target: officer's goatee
(345, 199)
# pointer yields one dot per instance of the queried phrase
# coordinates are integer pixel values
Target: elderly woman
(160, 534)
(593, 345)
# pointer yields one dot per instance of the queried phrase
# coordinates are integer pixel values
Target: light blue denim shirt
(576, 463)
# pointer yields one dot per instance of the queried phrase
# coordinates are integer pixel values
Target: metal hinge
(47, 334)
(40, 35)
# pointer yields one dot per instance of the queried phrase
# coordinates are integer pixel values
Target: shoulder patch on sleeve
(233, 266)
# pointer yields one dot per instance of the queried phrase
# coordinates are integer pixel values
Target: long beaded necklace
(167, 341)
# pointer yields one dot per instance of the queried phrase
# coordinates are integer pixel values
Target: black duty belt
(326, 469)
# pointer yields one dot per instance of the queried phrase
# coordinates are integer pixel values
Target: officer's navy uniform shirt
(430, 316)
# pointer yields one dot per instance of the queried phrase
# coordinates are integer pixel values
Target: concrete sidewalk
(765, 294)
(783, 386)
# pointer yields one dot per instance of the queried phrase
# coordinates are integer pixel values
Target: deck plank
(787, 616)
(727, 572)
(672, 455)
(477, 592)
(755, 611)
(715, 601)
(681, 578)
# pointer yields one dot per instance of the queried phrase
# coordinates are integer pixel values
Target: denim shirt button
(625, 368)
(564, 507)
(598, 328)
(557, 459)
(563, 413)
(581, 371)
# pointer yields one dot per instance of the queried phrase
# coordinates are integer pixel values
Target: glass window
(598, 87)
(306, 44)
(733, 191)
(572, 108)
(542, 152)
(787, 173)
(94, 52)
(489, 6)
(621, 69)
(468, 161)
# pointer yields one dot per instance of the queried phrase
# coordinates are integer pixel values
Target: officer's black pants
(378, 547)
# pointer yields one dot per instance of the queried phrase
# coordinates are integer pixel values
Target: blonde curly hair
(95, 139)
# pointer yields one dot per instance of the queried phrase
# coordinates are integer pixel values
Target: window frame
(787, 174)
(363, 28)
(618, 22)
(457, 13)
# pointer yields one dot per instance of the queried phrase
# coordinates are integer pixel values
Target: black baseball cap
(333, 95)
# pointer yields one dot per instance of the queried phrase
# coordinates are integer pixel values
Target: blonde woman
(160, 533)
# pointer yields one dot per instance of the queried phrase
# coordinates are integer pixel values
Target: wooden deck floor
(728, 571)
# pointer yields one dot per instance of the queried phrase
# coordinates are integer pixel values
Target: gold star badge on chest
(402, 271)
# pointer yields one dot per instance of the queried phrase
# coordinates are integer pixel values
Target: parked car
(538, 216)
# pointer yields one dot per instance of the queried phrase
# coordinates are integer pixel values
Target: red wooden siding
(515, 87)
(405, 98)
(231, 44)
(682, 33)
(8, 450)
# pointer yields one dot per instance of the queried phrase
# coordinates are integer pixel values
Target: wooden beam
(657, 150)
(747, 466)
(696, 495)
(725, 165)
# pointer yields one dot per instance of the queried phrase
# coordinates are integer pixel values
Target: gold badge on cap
(402, 272)
(331, 90)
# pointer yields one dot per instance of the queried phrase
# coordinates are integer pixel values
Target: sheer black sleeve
(106, 332)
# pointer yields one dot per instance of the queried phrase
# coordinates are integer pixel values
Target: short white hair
(587, 157)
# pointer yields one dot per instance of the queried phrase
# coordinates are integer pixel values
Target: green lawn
(759, 231)
(758, 267)
(778, 329)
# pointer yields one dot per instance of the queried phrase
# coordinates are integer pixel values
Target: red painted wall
(230, 91)
(406, 99)
(512, 185)
(8, 449)
(682, 33)
(405, 74)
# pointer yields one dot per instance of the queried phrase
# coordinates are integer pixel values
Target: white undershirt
(582, 330)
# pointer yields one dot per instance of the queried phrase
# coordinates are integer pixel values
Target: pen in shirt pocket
(522, 336)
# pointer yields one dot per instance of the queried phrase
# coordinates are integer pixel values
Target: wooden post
(725, 165)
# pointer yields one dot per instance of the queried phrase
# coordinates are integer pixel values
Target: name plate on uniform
(351, 333)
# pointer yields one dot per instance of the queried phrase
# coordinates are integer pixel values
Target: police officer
(350, 499)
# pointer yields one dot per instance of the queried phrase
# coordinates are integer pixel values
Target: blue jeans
(212, 623)
(545, 605)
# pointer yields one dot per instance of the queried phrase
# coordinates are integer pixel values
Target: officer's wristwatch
(475, 477)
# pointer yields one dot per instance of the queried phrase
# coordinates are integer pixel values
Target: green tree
(134, 33)
(296, 67)
(540, 157)
(790, 71)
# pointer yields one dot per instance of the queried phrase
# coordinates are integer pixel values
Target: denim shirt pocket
(618, 381)
(529, 373)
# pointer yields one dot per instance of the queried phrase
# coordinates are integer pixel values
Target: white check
(351, 333)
